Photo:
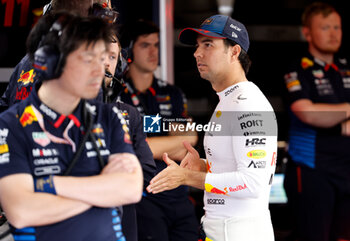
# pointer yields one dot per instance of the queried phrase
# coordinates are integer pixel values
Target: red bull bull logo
(306, 63)
(27, 77)
(212, 189)
(28, 116)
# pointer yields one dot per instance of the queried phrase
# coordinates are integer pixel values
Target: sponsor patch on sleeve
(292, 82)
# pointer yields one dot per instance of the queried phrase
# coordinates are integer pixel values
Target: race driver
(241, 158)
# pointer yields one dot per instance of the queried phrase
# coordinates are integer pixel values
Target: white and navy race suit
(241, 161)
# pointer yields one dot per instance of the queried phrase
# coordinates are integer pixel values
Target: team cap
(218, 26)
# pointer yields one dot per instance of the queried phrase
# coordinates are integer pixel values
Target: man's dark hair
(314, 9)
(130, 32)
(242, 57)
(76, 30)
(80, 7)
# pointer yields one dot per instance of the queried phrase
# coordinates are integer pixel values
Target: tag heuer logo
(41, 138)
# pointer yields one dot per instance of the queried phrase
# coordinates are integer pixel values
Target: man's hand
(192, 160)
(121, 162)
(168, 179)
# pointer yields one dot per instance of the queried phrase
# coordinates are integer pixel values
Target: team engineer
(55, 184)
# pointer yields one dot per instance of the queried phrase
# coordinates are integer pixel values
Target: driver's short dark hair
(242, 57)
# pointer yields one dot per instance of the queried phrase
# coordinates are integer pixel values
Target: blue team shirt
(32, 141)
(161, 98)
(168, 101)
(323, 148)
(20, 84)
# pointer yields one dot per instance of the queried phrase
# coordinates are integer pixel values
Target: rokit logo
(215, 201)
(251, 123)
(255, 142)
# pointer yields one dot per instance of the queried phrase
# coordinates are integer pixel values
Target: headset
(129, 54)
(113, 90)
(47, 58)
(47, 8)
(122, 65)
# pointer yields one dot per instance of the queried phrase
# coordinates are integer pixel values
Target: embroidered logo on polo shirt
(28, 116)
(27, 77)
(41, 138)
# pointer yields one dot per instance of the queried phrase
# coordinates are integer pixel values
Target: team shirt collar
(53, 117)
(324, 65)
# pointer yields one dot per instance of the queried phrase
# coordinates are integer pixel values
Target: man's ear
(306, 32)
(235, 51)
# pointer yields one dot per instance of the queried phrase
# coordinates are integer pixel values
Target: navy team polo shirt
(321, 148)
(32, 141)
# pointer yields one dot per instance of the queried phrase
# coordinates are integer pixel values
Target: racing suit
(241, 161)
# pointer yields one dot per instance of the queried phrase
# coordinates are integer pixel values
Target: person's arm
(249, 182)
(192, 160)
(250, 179)
(171, 145)
(24, 207)
(191, 172)
(174, 176)
(319, 114)
(110, 188)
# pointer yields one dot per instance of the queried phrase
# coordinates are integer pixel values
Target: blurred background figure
(317, 179)
(170, 215)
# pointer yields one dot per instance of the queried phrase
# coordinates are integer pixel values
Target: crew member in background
(317, 179)
(167, 216)
(138, 137)
(24, 76)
